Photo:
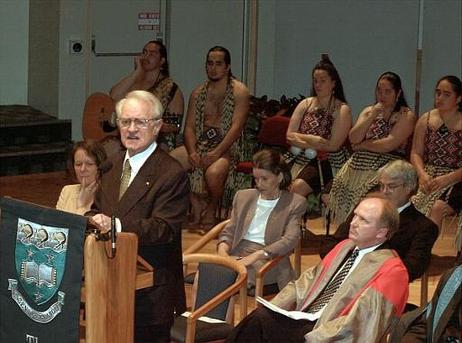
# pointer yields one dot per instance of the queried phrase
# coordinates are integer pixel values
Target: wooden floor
(44, 189)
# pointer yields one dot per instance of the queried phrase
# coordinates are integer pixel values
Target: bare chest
(213, 108)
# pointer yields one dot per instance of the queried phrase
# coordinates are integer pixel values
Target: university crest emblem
(40, 258)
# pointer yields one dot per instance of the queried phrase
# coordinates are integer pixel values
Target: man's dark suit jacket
(413, 241)
(424, 325)
(154, 207)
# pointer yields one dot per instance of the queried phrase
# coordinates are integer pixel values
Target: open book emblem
(40, 258)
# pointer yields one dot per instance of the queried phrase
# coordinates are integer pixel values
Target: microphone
(113, 235)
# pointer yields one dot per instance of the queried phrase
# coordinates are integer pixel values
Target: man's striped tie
(333, 286)
(125, 180)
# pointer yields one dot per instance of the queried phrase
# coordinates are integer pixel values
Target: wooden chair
(450, 224)
(217, 280)
(260, 274)
(424, 288)
(209, 236)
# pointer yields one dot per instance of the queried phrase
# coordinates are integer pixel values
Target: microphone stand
(105, 236)
(113, 236)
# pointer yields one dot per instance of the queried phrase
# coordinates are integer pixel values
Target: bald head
(375, 221)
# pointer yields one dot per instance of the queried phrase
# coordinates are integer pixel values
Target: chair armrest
(260, 274)
(240, 285)
(209, 236)
(203, 241)
(424, 288)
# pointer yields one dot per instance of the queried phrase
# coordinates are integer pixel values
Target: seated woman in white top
(265, 221)
(83, 163)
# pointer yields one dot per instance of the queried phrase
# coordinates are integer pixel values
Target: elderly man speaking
(145, 189)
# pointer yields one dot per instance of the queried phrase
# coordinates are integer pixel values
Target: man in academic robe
(354, 294)
(416, 234)
(147, 191)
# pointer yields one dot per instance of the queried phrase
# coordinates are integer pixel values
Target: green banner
(41, 261)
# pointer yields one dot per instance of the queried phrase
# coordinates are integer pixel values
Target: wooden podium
(109, 289)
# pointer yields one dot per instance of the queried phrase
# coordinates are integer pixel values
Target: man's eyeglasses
(390, 187)
(139, 123)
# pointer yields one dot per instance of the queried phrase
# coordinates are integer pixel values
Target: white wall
(14, 47)
(43, 85)
(442, 46)
(266, 50)
(195, 27)
(362, 38)
(72, 77)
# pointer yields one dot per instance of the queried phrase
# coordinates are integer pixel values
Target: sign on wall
(149, 21)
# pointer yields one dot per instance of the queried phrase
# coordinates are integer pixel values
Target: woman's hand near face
(376, 109)
(138, 61)
(365, 119)
(87, 192)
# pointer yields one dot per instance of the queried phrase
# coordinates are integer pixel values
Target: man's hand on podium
(102, 221)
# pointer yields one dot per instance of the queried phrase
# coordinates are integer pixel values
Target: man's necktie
(125, 180)
(333, 286)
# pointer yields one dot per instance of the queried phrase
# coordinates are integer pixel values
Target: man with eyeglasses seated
(145, 189)
(416, 234)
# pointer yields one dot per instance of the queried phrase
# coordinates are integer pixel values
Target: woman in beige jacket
(265, 221)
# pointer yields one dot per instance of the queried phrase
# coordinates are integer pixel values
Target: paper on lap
(297, 315)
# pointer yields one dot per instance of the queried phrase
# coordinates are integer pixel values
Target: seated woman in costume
(437, 153)
(380, 134)
(319, 124)
(83, 164)
(265, 222)
(151, 74)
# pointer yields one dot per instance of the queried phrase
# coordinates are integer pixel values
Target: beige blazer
(68, 200)
(282, 229)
